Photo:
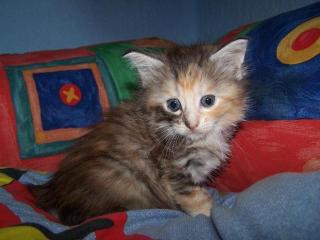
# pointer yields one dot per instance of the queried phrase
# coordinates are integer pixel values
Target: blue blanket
(284, 206)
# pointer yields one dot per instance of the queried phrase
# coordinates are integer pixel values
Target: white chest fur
(206, 155)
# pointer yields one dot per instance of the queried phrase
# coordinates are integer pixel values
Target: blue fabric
(55, 113)
(284, 206)
(282, 91)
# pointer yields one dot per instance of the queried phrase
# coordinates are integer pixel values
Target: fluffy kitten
(158, 150)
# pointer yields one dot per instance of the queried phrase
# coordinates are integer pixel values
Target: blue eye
(208, 100)
(174, 104)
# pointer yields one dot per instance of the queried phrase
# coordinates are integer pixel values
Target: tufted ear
(145, 64)
(231, 57)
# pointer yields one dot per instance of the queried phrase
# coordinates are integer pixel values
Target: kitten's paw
(198, 202)
(204, 209)
(203, 205)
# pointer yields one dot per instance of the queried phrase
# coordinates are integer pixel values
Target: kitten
(158, 150)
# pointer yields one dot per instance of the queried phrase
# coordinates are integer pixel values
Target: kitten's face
(193, 92)
(195, 104)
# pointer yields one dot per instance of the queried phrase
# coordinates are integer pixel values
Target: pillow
(283, 129)
(50, 98)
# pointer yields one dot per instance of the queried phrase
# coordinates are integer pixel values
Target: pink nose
(191, 126)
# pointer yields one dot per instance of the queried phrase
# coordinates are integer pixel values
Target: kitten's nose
(191, 125)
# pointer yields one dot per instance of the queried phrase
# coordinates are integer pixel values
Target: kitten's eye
(173, 104)
(208, 100)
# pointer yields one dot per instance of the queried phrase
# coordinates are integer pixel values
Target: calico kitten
(158, 150)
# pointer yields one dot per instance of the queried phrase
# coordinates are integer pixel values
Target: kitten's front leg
(195, 201)
(198, 163)
(193, 167)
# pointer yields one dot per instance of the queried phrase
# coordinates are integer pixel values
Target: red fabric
(7, 218)
(264, 148)
(9, 152)
(117, 231)
(43, 56)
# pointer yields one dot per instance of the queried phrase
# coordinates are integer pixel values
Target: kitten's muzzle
(191, 125)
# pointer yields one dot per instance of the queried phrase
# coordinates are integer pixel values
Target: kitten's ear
(231, 57)
(146, 65)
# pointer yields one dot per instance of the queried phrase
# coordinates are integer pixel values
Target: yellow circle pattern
(287, 55)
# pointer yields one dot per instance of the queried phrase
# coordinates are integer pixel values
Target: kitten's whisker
(165, 134)
(171, 145)
(164, 151)
(167, 139)
(168, 146)
(174, 143)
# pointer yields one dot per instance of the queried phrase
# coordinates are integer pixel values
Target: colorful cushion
(283, 128)
(246, 215)
(48, 99)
